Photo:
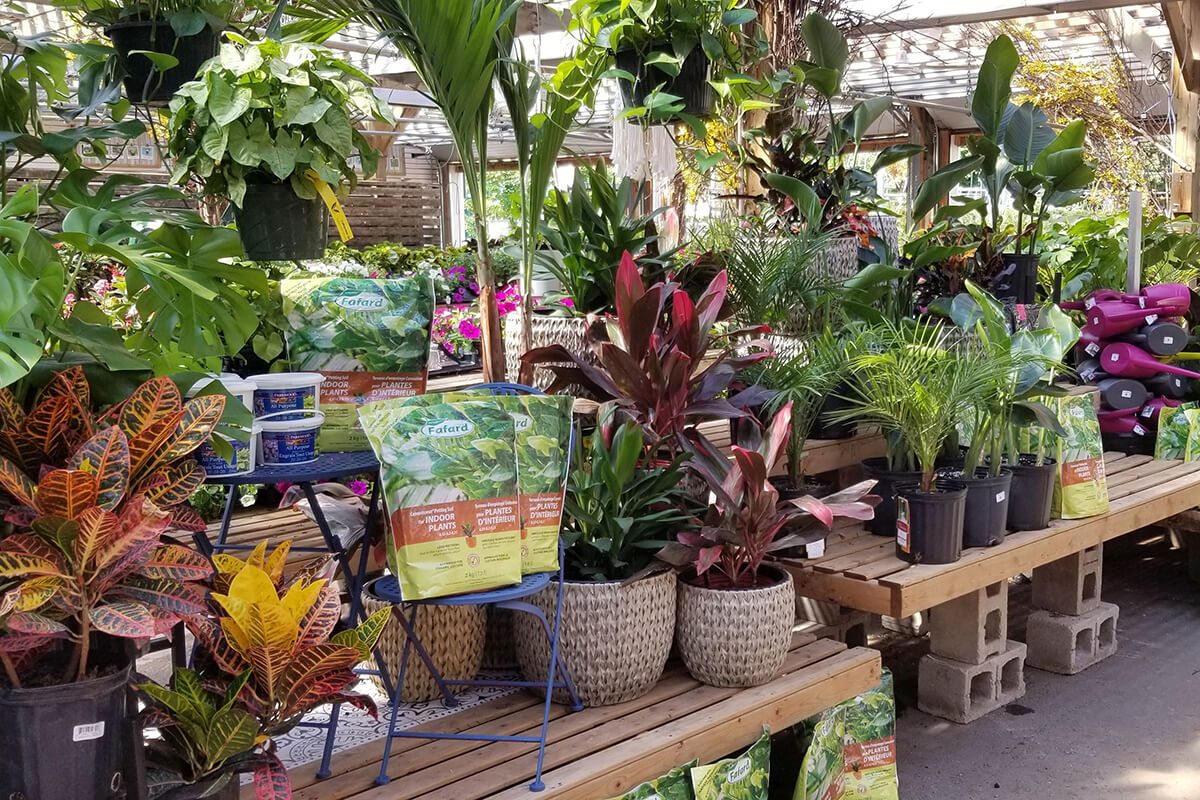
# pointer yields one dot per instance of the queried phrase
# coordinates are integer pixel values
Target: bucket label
(1000, 497)
(902, 523)
(87, 732)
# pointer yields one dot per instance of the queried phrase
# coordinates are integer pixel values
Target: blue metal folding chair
(388, 588)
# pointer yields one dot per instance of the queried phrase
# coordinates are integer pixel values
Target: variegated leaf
(315, 665)
(12, 416)
(141, 523)
(105, 455)
(271, 781)
(269, 665)
(48, 427)
(321, 619)
(20, 518)
(172, 597)
(67, 493)
(200, 417)
(17, 483)
(313, 693)
(22, 642)
(98, 529)
(147, 445)
(365, 636)
(20, 448)
(154, 400)
(208, 632)
(232, 731)
(34, 624)
(70, 383)
(57, 537)
(34, 593)
(15, 565)
(178, 563)
(126, 619)
(185, 518)
(269, 625)
(175, 483)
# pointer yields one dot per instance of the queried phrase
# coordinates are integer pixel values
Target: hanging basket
(144, 82)
(277, 225)
(570, 332)
(452, 635)
(615, 637)
(691, 84)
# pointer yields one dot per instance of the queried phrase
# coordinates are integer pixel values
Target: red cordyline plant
(654, 361)
(746, 521)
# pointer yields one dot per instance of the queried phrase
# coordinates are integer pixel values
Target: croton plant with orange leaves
(88, 498)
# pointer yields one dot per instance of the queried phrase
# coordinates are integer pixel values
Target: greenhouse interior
(616, 399)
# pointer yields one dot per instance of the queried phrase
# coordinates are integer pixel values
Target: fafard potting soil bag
(1081, 488)
(853, 750)
(449, 475)
(543, 436)
(745, 777)
(675, 785)
(368, 337)
(1174, 431)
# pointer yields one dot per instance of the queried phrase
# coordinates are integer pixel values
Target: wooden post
(922, 130)
(1183, 22)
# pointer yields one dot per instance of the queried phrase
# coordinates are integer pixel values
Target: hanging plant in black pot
(275, 165)
(666, 87)
(157, 58)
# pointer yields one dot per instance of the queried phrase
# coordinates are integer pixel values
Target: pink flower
(359, 487)
(469, 329)
(568, 302)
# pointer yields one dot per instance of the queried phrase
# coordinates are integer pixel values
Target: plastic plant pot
(1033, 483)
(275, 224)
(884, 522)
(929, 525)
(985, 519)
(144, 82)
(691, 84)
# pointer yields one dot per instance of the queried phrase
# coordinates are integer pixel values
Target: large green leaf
(993, 86)
(1027, 134)
(938, 186)
(826, 45)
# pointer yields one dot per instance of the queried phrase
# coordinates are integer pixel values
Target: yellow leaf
(278, 560)
(258, 555)
(227, 563)
(236, 636)
(300, 598)
(268, 625)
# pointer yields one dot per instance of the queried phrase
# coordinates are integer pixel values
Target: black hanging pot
(824, 429)
(1033, 484)
(884, 521)
(144, 82)
(985, 519)
(1017, 280)
(929, 525)
(68, 741)
(691, 84)
(277, 225)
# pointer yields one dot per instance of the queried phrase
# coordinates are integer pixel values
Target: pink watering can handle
(1130, 361)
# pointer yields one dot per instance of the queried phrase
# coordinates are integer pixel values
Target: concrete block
(963, 692)
(971, 628)
(848, 625)
(1070, 644)
(1070, 585)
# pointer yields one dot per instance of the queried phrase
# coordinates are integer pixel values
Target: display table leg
(1071, 629)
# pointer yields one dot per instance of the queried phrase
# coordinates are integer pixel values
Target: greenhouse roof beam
(1028, 9)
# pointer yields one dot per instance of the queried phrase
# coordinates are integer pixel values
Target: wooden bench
(598, 752)
(968, 599)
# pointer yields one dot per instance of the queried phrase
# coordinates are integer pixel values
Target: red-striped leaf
(22, 642)
(154, 400)
(34, 624)
(170, 596)
(17, 483)
(314, 665)
(67, 493)
(315, 692)
(105, 455)
(185, 518)
(123, 618)
(98, 529)
(178, 563)
(175, 483)
(208, 632)
(48, 426)
(321, 619)
(70, 383)
(20, 518)
(706, 558)
(269, 665)
(200, 416)
(271, 781)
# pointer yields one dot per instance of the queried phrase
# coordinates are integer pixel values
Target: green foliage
(618, 513)
(268, 112)
(186, 17)
(588, 228)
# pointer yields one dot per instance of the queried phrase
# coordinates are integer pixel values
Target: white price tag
(1092, 348)
(1168, 340)
(85, 733)
(1000, 497)
(1151, 319)
(1139, 430)
(1148, 412)
(1115, 357)
(1126, 394)
(1091, 301)
(815, 549)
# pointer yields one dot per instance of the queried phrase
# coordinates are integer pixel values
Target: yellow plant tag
(335, 207)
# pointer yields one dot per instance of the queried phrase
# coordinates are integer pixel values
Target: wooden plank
(888, 565)
(862, 595)
(881, 547)
(712, 733)
(1150, 481)
(1119, 465)
(1152, 467)
(505, 764)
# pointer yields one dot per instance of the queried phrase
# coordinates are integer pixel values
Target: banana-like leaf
(105, 455)
(125, 619)
(67, 493)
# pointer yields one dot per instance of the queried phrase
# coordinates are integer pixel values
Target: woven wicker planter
(840, 260)
(735, 637)
(452, 635)
(570, 332)
(614, 638)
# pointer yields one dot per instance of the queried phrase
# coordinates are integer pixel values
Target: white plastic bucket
(291, 393)
(286, 441)
(241, 389)
(243, 462)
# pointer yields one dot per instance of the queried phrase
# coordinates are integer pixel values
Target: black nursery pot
(833, 430)
(1017, 280)
(1033, 484)
(812, 486)
(929, 525)
(985, 520)
(884, 521)
(67, 741)
(691, 83)
(144, 83)
(277, 225)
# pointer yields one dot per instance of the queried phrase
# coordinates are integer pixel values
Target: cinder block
(1070, 644)
(963, 692)
(1070, 585)
(848, 625)
(971, 628)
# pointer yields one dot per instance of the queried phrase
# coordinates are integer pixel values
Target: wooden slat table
(598, 752)
(861, 571)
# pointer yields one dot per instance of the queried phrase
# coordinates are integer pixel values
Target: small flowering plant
(456, 329)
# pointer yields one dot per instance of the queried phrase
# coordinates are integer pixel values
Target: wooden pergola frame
(1183, 21)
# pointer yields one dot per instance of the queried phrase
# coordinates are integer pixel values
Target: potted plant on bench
(267, 126)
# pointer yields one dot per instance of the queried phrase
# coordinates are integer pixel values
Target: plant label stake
(902, 524)
(335, 207)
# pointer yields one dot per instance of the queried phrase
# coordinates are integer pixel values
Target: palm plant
(456, 48)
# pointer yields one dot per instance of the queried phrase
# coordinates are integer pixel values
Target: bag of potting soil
(675, 785)
(1192, 450)
(1080, 488)
(744, 777)
(853, 750)
(449, 476)
(368, 337)
(1174, 428)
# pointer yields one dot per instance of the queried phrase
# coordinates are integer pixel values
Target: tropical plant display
(270, 112)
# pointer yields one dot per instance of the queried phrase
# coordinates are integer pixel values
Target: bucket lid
(310, 420)
(232, 383)
(286, 380)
